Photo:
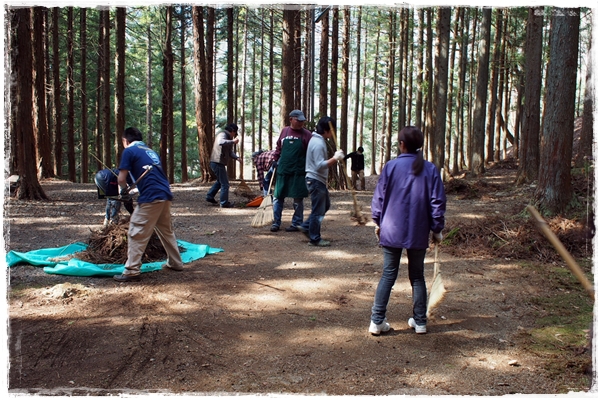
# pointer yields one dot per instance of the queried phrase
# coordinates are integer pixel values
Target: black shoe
(126, 278)
(213, 201)
(274, 228)
(292, 229)
(227, 205)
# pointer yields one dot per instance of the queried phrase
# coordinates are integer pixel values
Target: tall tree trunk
(287, 72)
(419, 101)
(205, 138)
(335, 33)
(554, 190)
(149, 113)
(584, 156)
(357, 88)
(477, 161)
(120, 80)
(502, 84)
(451, 137)
(183, 65)
(307, 73)
(530, 137)
(243, 95)
(459, 153)
(375, 102)
(98, 120)
(57, 116)
(44, 155)
(441, 85)
(84, 101)
(29, 187)
(166, 128)
(70, 98)
(493, 89)
(324, 65)
(105, 86)
(261, 83)
(271, 73)
(391, 72)
(428, 131)
(345, 81)
(230, 65)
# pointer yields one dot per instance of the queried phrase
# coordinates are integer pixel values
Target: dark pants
(319, 198)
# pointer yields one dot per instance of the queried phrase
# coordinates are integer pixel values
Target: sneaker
(212, 201)
(167, 266)
(376, 329)
(417, 328)
(227, 205)
(274, 228)
(126, 278)
(292, 228)
(320, 243)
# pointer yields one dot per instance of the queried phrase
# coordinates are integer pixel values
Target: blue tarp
(74, 267)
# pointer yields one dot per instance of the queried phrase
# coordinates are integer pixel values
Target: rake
(437, 290)
(264, 215)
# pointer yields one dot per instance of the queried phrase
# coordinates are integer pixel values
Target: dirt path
(269, 314)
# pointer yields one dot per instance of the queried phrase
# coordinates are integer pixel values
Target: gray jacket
(223, 148)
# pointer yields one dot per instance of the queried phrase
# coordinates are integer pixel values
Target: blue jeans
(391, 265)
(319, 197)
(278, 209)
(222, 183)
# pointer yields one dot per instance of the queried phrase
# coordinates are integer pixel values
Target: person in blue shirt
(409, 202)
(153, 212)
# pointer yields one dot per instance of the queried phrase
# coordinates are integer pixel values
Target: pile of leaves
(109, 246)
(515, 237)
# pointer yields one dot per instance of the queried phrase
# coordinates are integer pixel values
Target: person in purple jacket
(408, 202)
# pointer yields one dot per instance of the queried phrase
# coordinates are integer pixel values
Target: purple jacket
(406, 207)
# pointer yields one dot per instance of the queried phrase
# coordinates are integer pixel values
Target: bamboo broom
(437, 290)
(264, 214)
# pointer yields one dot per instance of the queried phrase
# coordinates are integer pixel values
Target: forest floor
(272, 315)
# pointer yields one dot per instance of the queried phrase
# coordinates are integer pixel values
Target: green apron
(290, 170)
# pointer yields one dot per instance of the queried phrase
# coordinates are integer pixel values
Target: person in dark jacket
(357, 167)
(409, 202)
(222, 151)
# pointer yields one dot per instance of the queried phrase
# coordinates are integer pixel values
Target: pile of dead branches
(515, 237)
(109, 246)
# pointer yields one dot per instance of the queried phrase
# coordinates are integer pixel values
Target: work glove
(124, 195)
(377, 230)
(274, 164)
(436, 237)
(339, 155)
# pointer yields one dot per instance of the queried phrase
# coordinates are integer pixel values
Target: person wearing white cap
(290, 159)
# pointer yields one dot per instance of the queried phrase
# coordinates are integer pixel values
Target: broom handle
(271, 181)
(564, 253)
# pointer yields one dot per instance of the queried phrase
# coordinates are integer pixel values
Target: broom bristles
(437, 291)
(264, 215)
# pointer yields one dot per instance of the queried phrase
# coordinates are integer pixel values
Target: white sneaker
(376, 329)
(417, 328)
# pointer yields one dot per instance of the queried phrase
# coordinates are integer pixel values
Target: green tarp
(50, 260)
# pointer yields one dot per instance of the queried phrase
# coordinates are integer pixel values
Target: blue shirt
(154, 186)
(406, 207)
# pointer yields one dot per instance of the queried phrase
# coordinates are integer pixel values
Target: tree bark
(287, 72)
(441, 86)
(84, 101)
(323, 66)
(183, 65)
(149, 125)
(554, 190)
(477, 161)
(29, 185)
(120, 80)
(44, 155)
(166, 128)
(493, 89)
(530, 136)
(584, 155)
(70, 99)
(345, 81)
(105, 87)
(57, 116)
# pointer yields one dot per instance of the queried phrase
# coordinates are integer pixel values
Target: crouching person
(153, 212)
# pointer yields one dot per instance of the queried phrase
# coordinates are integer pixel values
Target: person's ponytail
(413, 141)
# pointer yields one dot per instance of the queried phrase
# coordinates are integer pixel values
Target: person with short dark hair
(153, 212)
(222, 151)
(409, 202)
(290, 158)
(317, 171)
(357, 167)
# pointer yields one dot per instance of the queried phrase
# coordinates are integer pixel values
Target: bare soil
(271, 314)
